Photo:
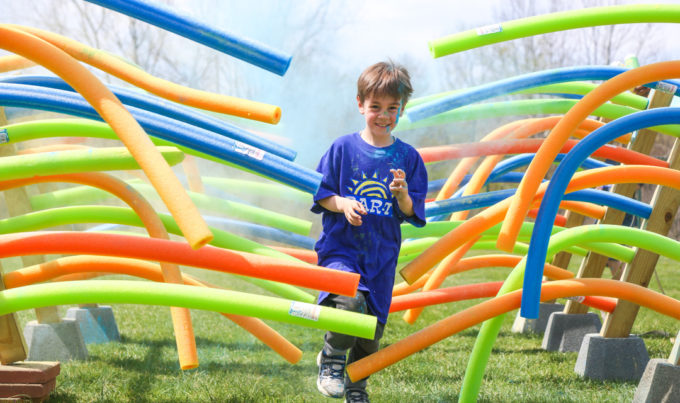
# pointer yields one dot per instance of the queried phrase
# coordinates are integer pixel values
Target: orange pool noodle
(520, 146)
(517, 129)
(14, 62)
(181, 317)
(521, 203)
(166, 89)
(305, 255)
(158, 171)
(503, 304)
(210, 257)
(83, 266)
(495, 214)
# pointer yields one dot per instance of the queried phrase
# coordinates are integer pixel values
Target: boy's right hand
(353, 211)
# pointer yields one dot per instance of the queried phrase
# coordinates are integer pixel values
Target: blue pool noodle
(192, 137)
(538, 245)
(169, 109)
(163, 17)
(508, 85)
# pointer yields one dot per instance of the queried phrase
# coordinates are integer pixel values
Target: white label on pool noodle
(304, 310)
(248, 150)
(489, 29)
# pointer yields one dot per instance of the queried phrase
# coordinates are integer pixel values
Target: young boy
(372, 182)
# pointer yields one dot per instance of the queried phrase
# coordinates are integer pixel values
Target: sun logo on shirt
(370, 187)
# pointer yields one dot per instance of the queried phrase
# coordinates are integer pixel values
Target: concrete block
(97, 324)
(674, 358)
(538, 325)
(612, 358)
(60, 341)
(660, 383)
(565, 332)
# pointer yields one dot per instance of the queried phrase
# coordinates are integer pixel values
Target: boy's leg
(339, 343)
(363, 348)
(331, 359)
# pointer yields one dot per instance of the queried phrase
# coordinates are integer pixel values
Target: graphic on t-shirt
(373, 193)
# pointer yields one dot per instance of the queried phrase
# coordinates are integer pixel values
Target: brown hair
(385, 79)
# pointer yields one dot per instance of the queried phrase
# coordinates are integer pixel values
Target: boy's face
(381, 113)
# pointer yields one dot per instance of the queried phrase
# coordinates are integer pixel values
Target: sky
(373, 31)
(317, 94)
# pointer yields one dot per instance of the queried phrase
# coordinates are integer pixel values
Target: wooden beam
(563, 258)
(12, 344)
(18, 203)
(593, 265)
(665, 203)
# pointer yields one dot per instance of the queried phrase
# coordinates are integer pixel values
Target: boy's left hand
(398, 186)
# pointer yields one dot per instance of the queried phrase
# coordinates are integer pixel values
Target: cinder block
(565, 332)
(97, 324)
(538, 325)
(60, 341)
(660, 383)
(612, 358)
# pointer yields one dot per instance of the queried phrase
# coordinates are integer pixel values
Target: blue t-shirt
(355, 169)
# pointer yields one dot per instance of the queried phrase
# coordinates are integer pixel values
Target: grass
(235, 367)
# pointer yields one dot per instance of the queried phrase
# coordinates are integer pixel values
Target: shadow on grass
(159, 357)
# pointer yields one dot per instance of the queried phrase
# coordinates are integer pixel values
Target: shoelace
(357, 396)
(334, 370)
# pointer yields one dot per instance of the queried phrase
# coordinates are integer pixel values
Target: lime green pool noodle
(612, 250)
(178, 295)
(572, 87)
(578, 235)
(23, 131)
(524, 107)
(440, 228)
(561, 21)
(260, 189)
(87, 194)
(583, 88)
(38, 220)
(72, 161)
(520, 248)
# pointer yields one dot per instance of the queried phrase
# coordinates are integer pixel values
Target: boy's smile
(381, 114)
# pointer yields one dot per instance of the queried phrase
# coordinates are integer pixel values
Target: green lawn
(235, 367)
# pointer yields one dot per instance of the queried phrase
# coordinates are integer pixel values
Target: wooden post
(12, 344)
(593, 265)
(665, 204)
(574, 219)
(17, 204)
(563, 258)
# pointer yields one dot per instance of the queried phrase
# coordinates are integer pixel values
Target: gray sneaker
(356, 396)
(331, 380)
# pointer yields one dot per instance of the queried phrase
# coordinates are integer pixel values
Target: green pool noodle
(612, 250)
(87, 194)
(42, 219)
(583, 88)
(260, 189)
(561, 21)
(578, 235)
(23, 131)
(441, 228)
(178, 295)
(72, 161)
(524, 107)
(570, 87)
